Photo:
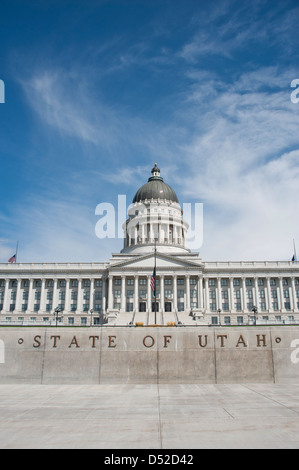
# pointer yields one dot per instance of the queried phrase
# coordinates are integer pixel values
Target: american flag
(12, 259)
(153, 281)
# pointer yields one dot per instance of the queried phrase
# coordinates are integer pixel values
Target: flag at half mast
(13, 259)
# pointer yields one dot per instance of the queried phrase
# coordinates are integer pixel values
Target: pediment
(162, 262)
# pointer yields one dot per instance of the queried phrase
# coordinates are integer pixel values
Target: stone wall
(115, 355)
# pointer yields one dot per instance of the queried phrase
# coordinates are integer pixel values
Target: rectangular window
(286, 293)
(86, 295)
(248, 282)
(213, 307)
(74, 283)
(211, 282)
(236, 282)
(224, 282)
(180, 306)
(240, 320)
(225, 306)
(129, 307)
(98, 295)
(275, 306)
(212, 294)
(130, 282)
(74, 295)
(263, 306)
(214, 320)
(225, 294)
(142, 294)
(181, 293)
(227, 320)
(37, 295)
(98, 283)
(180, 282)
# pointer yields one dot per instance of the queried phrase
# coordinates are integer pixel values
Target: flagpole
(155, 291)
(17, 247)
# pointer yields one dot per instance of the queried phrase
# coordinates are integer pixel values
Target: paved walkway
(149, 416)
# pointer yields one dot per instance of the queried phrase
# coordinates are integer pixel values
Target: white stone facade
(188, 290)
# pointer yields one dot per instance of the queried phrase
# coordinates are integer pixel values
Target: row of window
(143, 281)
(50, 283)
(238, 306)
(237, 294)
(240, 320)
(250, 282)
(49, 307)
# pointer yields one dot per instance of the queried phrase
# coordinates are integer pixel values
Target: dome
(155, 188)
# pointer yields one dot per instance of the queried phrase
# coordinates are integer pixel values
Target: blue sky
(96, 92)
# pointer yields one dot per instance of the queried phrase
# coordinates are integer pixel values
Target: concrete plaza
(149, 416)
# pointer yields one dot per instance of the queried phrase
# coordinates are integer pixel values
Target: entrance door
(167, 306)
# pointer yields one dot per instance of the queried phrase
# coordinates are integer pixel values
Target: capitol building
(119, 291)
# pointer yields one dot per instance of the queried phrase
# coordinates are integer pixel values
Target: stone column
(42, 305)
(17, 301)
(244, 300)
(231, 295)
(206, 296)
(123, 294)
(91, 294)
(187, 292)
(136, 292)
(294, 294)
(110, 292)
(256, 292)
(5, 299)
(104, 295)
(79, 297)
(175, 293)
(200, 292)
(291, 297)
(30, 303)
(280, 290)
(268, 306)
(218, 294)
(162, 300)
